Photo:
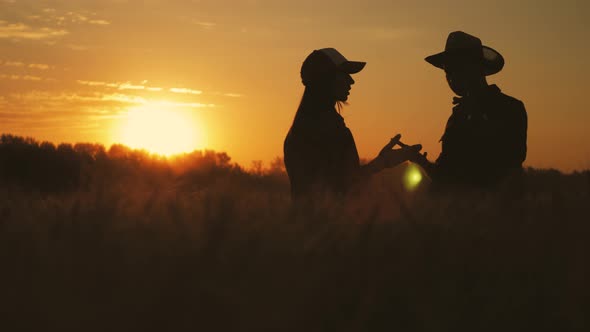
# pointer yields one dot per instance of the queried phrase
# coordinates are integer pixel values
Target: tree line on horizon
(28, 164)
(44, 166)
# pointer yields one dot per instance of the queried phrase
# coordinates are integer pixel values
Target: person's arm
(388, 157)
(519, 135)
(508, 140)
(372, 167)
(422, 160)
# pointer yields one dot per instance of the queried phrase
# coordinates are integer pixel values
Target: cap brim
(352, 67)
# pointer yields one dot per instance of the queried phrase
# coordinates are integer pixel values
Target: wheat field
(124, 241)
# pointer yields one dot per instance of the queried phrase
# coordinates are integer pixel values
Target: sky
(81, 71)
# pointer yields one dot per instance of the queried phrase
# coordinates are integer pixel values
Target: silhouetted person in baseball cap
(319, 151)
(485, 137)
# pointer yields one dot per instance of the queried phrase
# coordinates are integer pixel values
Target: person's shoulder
(509, 103)
(313, 128)
(508, 99)
(511, 108)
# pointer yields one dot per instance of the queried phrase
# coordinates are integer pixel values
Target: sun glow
(412, 177)
(160, 129)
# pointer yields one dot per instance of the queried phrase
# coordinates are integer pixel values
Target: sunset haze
(78, 71)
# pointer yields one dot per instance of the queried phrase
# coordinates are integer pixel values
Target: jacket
(484, 140)
(320, 153)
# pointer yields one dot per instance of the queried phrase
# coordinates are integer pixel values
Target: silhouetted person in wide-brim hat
(465, 48)
(319, 151)
(485, 137)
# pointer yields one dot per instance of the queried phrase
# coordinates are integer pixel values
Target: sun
(412, 177)
(159, 129)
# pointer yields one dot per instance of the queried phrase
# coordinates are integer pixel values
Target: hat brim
(492, 60)
(438, 60)
(351, 67)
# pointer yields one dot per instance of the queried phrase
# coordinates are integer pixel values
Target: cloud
(75, 47)
(181, 104)
(233, 95)
(31, 78)
(76, 17)
(41, 66)
(61, 18)
(186, 91)
(56, 99)
(204, 25)
(227, 94)
(99, 22)
(26, 78)
(23, 31)
(91, 83)
(120, 86)
(40, 96)
(14, 64)
(123, 98)
(142, 86)
(129, 86)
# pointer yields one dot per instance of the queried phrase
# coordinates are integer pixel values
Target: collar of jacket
(489, 90)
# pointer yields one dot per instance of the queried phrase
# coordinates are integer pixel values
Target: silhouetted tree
(27, 164)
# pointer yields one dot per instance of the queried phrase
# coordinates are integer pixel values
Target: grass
(223, 251)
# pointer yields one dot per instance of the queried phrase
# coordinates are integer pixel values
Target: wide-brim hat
(325, 62)
(465, 47)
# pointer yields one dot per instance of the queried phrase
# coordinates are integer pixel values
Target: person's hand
(390, 157)
(420, 159)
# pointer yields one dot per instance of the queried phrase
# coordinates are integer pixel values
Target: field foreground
(230, 253)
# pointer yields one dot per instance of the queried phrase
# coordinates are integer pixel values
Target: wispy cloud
(129, 86)
(40, 96)
(122, 98)
(119, 85)
(97, 98)
(60, 18)
(91, 83)
(186, 91)
(32, 78)
(40, 66)
(233, 95)
(23, 31)
(99, 22)
(144, 87)
(204, 24)
(76, 17)
(227, 94)
(75, 47)
(25, 78)
(181, 104)
(13, 64)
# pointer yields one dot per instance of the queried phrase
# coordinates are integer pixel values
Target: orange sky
(72, 70)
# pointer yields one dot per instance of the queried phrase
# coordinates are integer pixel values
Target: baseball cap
(326, 61)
